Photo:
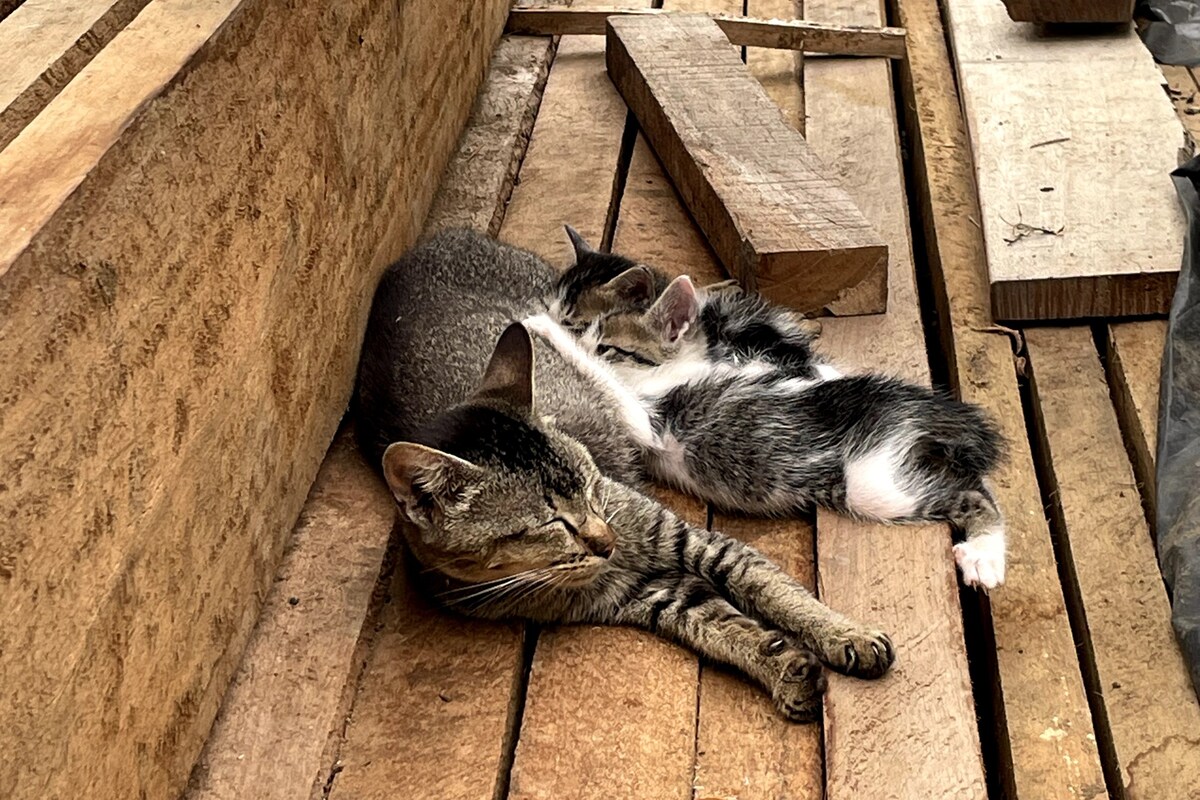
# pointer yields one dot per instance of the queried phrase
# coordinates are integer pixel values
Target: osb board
(1037, 682)
(289, 694)
(1088, 170)
(44, 44)
(1141, 681)
(238, 186)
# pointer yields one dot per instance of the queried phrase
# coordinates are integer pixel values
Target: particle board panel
(1037, 679)
(143, 541)
(912, 733)
(1078, 212)
(290, 693)
(44, 44)
(749, 180)
(1141, 680)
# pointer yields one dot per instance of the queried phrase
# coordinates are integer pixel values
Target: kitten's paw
(800, 686)
(861, 653)
(981, 560)
(542, 325)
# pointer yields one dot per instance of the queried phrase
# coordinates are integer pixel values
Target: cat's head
(665, 331)
(601, 283)
(487, 491)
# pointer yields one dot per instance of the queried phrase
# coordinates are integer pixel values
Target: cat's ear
(509, 373)
(578, 243)
(634, 286)
(423, 479)
(677, 309)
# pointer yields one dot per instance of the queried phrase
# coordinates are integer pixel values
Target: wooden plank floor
(1064, 683)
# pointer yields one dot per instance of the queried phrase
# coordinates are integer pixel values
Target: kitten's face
(648, 339)
(601, 283)
(492, 493)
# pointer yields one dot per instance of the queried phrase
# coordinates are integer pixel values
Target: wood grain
(750, 181)
(290, 692)
(1151, 708)
(44, 44)
(913, 733)
(1038, 683)
(191, 233)
(265, 743)
(780, 34)
(1135, 353)
(1088, 11)
(1091, 168)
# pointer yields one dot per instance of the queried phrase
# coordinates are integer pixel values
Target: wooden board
(913, 733)
(1135, 353)
(1091, 167)
(44, 44)
(348, 501)
(754, 187)
(1036, 673)
(237, 187)
(1090, 11)
(1142, 683)
(290, 692)
(782, 34)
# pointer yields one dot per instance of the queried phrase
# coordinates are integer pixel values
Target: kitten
(764, 439)
(738, 327)
(519, 496)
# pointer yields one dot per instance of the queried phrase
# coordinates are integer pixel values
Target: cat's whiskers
(484, 586)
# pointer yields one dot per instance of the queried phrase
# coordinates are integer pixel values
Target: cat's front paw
(860, 653)
(800, 686)
(981, 561)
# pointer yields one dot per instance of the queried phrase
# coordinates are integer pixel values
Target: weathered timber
(1078, 211)
(1142, 682)
(1037, 678)
(1086, 11)
(751, 182)
(183, 283)
(912, 733)
(779, 34)
(283, 723)
(44, 44)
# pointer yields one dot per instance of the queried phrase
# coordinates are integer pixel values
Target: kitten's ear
(509, 373)
(579, 244)
(422, 479)
(677, 309)
(635, 286)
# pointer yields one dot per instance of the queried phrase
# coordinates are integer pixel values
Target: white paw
(541, 324)
(981, 560)
(828, 372)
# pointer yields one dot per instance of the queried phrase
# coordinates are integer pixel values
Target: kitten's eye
(571, 529)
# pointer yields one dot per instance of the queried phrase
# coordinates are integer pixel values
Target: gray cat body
(519, 492)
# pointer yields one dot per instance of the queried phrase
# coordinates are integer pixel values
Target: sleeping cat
(765, 435)
(518, 492)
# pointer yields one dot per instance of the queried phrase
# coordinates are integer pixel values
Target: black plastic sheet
(1171, 30)
(1178, 461)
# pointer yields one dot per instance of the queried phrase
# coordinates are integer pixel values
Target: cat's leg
(635, 416)
(981, 557)
(688, 610)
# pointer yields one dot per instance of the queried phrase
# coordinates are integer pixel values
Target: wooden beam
(1140, 679)
(1085, 11)
(902, 580)
(1036, 672)
(1057, 181)
(44, 44)
(215, 185)
(1135, 354)
(812, 37)
(750, 181)
(283, 724)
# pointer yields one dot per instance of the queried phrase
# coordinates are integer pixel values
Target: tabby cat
(520, 495)
(766, 427)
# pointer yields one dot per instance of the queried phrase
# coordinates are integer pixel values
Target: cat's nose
(598, 538)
